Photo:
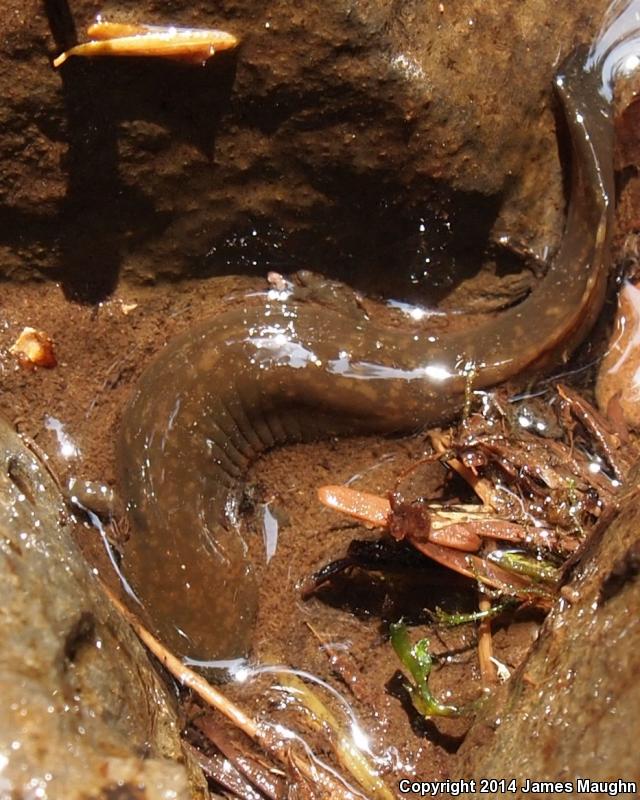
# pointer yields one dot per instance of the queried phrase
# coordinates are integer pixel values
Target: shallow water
(73, 411)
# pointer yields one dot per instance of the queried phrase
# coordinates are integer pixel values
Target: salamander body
(295, 367)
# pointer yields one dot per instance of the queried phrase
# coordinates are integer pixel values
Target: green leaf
(418, 661)
(521, 563)
(458, 618)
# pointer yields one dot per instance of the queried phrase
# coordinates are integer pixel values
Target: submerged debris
(541, 495)
(289, 757)
(544, 475)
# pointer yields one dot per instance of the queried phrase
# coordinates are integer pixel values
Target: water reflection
(67, 447)
(270, 528)
(615, 52)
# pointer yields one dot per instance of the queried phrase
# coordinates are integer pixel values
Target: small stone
(34, 349)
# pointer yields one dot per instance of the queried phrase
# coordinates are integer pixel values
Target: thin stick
(481, 486)
(187, 677)
(485, 645)
(333, 786)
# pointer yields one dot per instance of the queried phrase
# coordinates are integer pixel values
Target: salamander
(306, 363)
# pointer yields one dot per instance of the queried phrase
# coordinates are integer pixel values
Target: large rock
(83, 714)
(349, 137)
(572, 710)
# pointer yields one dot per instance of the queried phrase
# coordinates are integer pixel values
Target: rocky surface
(356, 138)
(619, 368)
(618, 371)
(83, 714)
(570, 709)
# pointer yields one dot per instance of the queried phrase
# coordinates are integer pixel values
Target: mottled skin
(312, 365)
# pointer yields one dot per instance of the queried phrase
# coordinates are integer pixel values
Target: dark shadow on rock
(61, 23)
(368, 235)
(102, 214)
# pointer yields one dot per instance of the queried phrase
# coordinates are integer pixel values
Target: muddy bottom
(72, 411)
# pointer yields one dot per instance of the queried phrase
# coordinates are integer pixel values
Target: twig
(187, 677)
(481, 486)
(485, 645)
(332, 786)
